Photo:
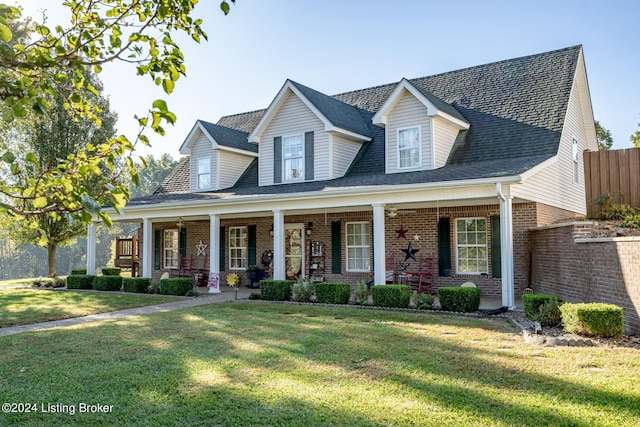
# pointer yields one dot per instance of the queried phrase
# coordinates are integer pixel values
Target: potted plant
(252, 272)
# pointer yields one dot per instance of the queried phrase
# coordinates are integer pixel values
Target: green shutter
(182, 242)
(277, 159)
(222, 242)
(336, 247)
(444, 247)
(496, 251)
(252, 244)
(308, 156)
(157, 251)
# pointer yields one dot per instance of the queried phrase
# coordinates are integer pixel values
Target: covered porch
(346, 237)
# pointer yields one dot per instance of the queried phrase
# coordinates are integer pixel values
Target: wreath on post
(267, 257)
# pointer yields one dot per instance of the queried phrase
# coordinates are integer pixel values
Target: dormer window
(204, 173)
(409, 148)
(293, 156)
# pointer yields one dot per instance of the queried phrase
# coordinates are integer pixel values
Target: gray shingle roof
(177, 181)
(337, 112)
(229, 137)
(516, 109)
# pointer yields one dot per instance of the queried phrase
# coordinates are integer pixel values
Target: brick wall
(419, 222)
(588, 270)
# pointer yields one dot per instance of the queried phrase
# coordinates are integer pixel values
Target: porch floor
(228, 294)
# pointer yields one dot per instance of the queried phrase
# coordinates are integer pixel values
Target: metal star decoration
(201, 247)
(410, 252)
(401, 232)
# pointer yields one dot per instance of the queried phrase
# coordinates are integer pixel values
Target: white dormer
(218, 156)
(420, 129)
(306, 135)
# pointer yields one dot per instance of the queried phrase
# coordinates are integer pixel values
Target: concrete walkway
(204, 299)
(227, 294)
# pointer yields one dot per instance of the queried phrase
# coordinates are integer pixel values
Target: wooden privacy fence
(616, 172)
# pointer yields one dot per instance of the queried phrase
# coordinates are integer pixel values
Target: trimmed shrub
(107, 283)
(254, 295)
(138, 285)
(391, 295)
(533, 302)
(80, 281)
(302, 290)
(549, 314)
(425, 301)
(276, 290)
(111, 271)
(456, 298)
(333, 292)
(592, 319)
(176, 286)
(79, 272)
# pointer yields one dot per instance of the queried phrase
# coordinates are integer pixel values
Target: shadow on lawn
(217, 365)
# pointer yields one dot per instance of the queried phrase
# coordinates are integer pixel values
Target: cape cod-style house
(456, 166)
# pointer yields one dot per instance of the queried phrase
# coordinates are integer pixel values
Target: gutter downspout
(506, 248)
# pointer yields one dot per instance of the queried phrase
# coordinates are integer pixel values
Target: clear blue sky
(339, 45)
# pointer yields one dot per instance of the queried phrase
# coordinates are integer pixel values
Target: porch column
(214, 247)
(279, 272)
(91, 248)
(147, 247)
(506, 248)
(379, 250)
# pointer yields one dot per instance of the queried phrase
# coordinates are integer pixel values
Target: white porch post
(214, 248)
(506, 248)
(379, 250)
(91, 248)
(147, 247)
(278, 245)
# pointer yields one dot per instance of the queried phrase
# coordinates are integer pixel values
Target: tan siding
(444, 135)
(407, 112)
(555, 186)
(294, 118)
(201, 148)
(230, 167)
(343, 153)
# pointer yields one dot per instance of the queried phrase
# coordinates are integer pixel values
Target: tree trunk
(51, 258)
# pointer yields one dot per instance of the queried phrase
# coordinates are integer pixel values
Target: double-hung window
(238, 239)
(409, 148)
(171, 255)
(293, 157)
(204, 173)
(471, 241)
(357, 246)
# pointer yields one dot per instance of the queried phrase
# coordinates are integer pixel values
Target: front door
(294, 250)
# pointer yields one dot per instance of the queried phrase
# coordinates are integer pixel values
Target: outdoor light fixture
(271, 230)
(309, 227)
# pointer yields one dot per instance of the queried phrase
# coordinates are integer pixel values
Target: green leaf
(30, 157)
(5, 33)
(168, 85)
(39, 202)
(160, 105)
(8, 157)
(224, 6)
(89, 204)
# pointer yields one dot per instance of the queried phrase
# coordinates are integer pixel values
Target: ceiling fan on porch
(181, 222)
(393, 212)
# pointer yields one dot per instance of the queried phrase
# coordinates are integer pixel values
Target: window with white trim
(409, 148)
(238, 240)
(204, 173)
(170, 251)
(576, 158)
(293, 157)
(358, 246)
(471, 246)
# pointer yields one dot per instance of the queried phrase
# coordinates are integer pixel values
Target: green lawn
(249, 364)
(32, 305)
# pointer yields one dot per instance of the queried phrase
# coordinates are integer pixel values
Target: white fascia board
(237, 151)
(539, 167)
(272, 109)
(456, 121)
(338, 197)
(382, 116)
(185, 148)
(347, 133)
(582, 81)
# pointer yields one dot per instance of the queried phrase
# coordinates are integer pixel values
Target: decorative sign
(214, 283)
(202, 248)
